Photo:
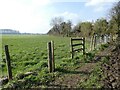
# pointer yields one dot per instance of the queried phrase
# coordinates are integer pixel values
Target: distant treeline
(9, 31)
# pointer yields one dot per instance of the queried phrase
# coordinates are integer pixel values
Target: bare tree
(68, 27)
(55, 22)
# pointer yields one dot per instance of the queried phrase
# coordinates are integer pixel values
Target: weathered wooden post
(49, 57)
(71, 44)
(8, 63)
(53, 60)
(83, 46)
(94, 41)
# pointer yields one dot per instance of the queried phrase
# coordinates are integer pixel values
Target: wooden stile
(73, 50)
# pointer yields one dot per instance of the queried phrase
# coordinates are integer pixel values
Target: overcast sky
(34, 16)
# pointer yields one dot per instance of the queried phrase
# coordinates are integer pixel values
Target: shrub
(90, 56)
(103, 46)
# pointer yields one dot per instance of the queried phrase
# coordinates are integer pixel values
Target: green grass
(94, 79)
(29, 53)
(26, 51)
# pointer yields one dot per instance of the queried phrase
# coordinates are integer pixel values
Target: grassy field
(27, 51)
(29, 54)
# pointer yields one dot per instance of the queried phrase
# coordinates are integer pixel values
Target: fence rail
(75, 39)
(77, 44)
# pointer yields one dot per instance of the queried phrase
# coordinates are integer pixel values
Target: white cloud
(68, 0)
(68, 16)
(99, 9)
(40, 2)
(98, 5)
(25, 15)
(98, 2)
(92, 1)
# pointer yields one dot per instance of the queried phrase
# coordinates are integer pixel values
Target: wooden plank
(78, 49)
(53, 61)
(8, 63)
(75, 39)
(77, 44)
(49, 57)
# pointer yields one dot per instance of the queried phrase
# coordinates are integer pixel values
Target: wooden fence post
(53, 60)
(83, 46)
(49, 57)
(94, 41)
(8, 63)
(72, 53)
